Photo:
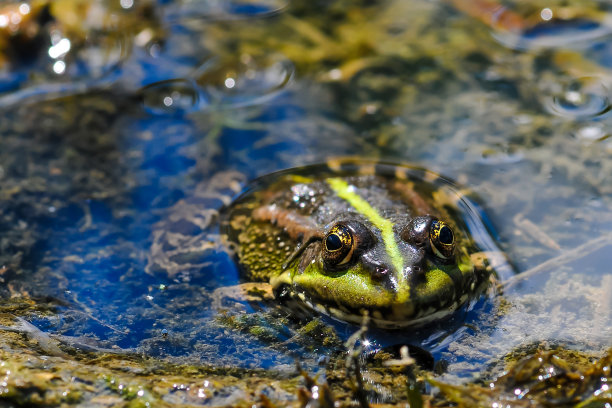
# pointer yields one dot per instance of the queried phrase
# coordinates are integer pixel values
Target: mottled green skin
(280, 212)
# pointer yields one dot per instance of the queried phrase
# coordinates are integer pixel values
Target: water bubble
(15, 19)
(126, 4)
(546, 14)
(59, 67)
(583, 98)
(246, 80)
(591, 133)
(24, 8)
(224, 10)
(171, 97)
(60, 48)
(96, 56)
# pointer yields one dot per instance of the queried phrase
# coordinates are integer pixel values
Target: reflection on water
(174, 96)
(223, 10)
(126, 128)
(554, 33)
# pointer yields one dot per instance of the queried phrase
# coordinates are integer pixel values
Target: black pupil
(446, 235)
(333, 242)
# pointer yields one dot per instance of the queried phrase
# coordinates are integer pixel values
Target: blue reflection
(566, 28)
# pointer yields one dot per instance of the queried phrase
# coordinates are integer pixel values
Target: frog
(357, 239)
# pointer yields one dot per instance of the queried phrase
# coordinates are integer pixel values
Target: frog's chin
(382, 323)
(349, 291)
(349, 297)
(353, 294)
(298, 300)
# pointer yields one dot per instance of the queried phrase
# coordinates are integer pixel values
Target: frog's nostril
(418, 266)
(380, 272)
(415, 270)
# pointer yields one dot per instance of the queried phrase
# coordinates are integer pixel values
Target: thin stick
(352, 359)
(568, 256)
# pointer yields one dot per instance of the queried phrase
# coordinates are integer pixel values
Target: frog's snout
(377, 270)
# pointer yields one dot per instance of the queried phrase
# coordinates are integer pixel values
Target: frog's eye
(338, 245)
(442, 239)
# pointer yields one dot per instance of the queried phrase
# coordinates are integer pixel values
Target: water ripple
(66, 67)
(99, 56)
(583, 98)
(592, 133)
(172, 97)
(247, 80)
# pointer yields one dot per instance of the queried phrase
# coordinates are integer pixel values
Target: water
(108, 140)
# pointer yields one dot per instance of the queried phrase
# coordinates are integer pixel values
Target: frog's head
(401, 272)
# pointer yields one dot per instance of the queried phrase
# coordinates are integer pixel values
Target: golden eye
(442, 239)
(338, 245)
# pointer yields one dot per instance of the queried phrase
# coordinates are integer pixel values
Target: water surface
(163, 111)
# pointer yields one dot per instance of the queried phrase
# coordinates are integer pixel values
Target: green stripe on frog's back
(344, 191)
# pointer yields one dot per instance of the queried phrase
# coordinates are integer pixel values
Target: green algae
(32, 379)
(547, 378)
(280, 332)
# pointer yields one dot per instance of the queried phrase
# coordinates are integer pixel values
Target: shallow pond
(127, 126)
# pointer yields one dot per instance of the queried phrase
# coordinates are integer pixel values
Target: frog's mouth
(301, 302)
(352, 295)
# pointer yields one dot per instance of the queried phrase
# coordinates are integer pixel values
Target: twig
(48, 342)
(568, 256)
(352, 359)
(535, 232)
(45, 342)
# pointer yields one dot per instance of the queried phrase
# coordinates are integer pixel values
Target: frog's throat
(346, 192)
